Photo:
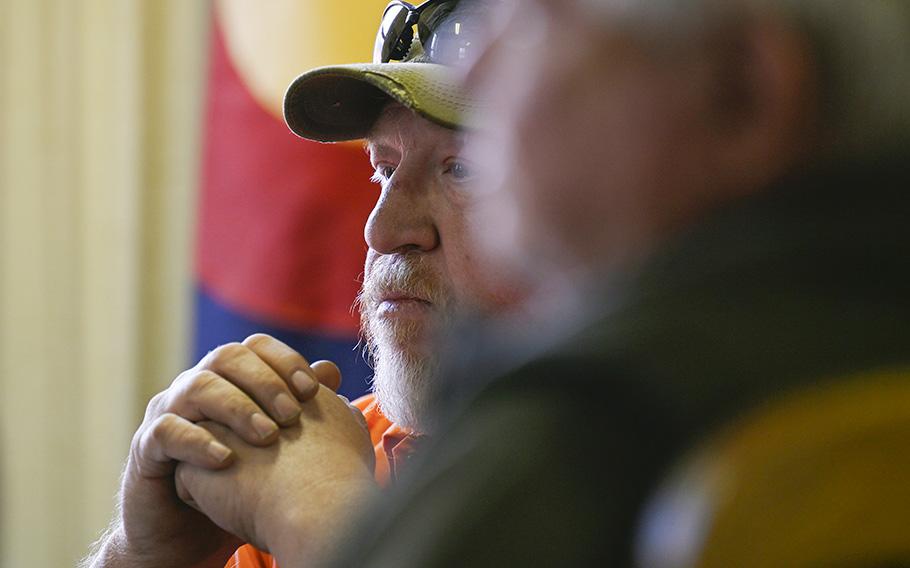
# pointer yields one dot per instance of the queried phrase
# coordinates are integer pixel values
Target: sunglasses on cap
(446, 35)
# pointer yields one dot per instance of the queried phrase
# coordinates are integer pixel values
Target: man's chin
(404, 337)
(401, 384)
(404, 362)
(401, 342)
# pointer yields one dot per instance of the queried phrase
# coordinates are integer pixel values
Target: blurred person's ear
(763, 102)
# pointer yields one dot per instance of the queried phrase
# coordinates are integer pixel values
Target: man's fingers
(255, 376)
(170, 437)
(328, 374)
(287, 362)
(208, 396)
(181, 488)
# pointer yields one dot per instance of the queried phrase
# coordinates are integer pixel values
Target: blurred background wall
(98, 161)
(119, 200)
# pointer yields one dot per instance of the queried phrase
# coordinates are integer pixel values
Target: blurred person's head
(618, 123)
(419, 270)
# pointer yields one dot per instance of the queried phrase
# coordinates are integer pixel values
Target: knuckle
(238, 405)
(137, 442)
(162, 400)
(276, 352)
(224, 353)
(182, 376)
(186, 437)
(289, 361)
(140, 464)
(293, 360)
(201, 381)
(156, 405)
(160, 430)
(258, 340)
(149, 449)
(157, 399)
(215, 394)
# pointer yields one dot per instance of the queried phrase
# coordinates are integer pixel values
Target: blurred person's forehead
(650, 21)
(542, 25)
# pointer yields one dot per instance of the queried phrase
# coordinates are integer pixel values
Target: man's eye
(383, 173)
(461, 171)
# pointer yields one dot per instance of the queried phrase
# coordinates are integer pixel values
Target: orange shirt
(392, 445)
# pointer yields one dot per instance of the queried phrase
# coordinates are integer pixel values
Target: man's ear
(765, 102)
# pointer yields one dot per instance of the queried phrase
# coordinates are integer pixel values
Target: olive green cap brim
(342, 102)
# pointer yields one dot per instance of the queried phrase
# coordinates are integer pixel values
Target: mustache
(385, 276)
(408, 275)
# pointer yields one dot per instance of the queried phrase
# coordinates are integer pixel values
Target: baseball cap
(342, 102)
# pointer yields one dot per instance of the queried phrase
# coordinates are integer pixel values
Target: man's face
(596, 145)
(419, 269)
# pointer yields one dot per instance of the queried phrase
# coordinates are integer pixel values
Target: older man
(263, 453)
(723, 185)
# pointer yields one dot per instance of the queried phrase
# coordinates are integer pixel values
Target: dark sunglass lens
(434, 14)
(391, 31)
(393, 19)
(454, 37)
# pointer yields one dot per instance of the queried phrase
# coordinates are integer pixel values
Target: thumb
(180, 486)
(328, 374)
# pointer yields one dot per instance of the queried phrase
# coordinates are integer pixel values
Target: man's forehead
(399, 126)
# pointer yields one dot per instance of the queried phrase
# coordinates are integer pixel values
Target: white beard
(405, 363)
(402, 380)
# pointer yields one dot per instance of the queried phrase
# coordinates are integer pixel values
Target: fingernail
(303, 382)
(218, 451)
(286, 408)
(263, 426)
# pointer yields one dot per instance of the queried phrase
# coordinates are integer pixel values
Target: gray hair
(861, 49)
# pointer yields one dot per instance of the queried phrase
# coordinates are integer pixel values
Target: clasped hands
(250, 445)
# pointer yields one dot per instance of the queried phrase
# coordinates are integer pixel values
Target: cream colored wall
(100, 106)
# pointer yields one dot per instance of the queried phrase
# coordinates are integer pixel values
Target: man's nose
(401, 221)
